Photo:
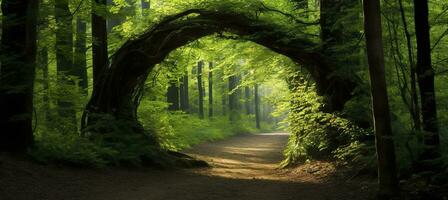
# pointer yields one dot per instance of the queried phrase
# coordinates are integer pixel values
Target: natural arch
(119, 88)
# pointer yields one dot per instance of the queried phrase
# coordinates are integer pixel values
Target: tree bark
(257, 107)
(201, 90)
(42, 62)
(247, 101)
(210, 90)
(64, 61)
(415, 109)
(99, 37)
(184, 101)
(233, 97)
(173, 96)
(388, 183)
(17, 71)
(80, 58)
(425, 76)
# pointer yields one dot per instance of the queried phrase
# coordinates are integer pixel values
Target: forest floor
(243, 167)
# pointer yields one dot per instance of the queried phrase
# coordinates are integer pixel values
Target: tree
(233, 97)
(425, 77)
(18, 50)
(99, 37)
(184, 97)
(201, 90)
(257, 107)
(173, 96)
(247, 100)
(210, 90)
(80, 58)
(388, 183)
(42, 61)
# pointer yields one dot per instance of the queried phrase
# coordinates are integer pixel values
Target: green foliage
(314, 133)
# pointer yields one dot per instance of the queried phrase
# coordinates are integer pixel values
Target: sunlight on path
(251, 156)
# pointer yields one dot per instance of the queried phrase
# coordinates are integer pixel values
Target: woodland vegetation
(133, 82)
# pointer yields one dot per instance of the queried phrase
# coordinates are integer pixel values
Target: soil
(243, 167)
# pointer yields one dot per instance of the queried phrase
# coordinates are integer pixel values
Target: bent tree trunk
(384, 140)
(119, 88)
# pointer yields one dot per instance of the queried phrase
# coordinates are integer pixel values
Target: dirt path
(243, 168)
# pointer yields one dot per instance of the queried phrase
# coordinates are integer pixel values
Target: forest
(223, 99)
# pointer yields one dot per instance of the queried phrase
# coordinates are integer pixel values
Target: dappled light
(223, 99)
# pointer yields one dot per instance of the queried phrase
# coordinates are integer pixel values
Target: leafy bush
(316, 134)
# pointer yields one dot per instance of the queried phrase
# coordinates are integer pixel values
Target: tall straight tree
(18, 50)
(42, 61)
(257, 107)
(99, 37)
(184, 97)
(233, 97)
(173, 96)
(64, 57)
(388, 183)
(201, 90)
(425, 76)
(247, 100)
(80, 58)
(210, 89)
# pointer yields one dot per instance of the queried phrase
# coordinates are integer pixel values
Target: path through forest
(243, 168)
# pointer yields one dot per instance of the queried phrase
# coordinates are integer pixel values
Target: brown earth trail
(242, 168)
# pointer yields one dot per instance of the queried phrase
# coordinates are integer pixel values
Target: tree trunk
(425, 76)
(233, 97)
(17, 71)
(173, 96)
(415, 109)
(210, 90)
(184, 98)
(80, 58)
(388, 183)
(257, 107)
(201, 90)
(247, 100)
(64, 61)
(42, 62)
(99, 37)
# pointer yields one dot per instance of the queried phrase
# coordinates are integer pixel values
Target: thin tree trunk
(99, 37)
(80, 58)
(17, 71)
(247, 99)
(388, 183)
(64, 60)
(173, 96)
(43, 64)
(425, 76)
(415, 109)
(42, 61)
(210, 90)
(233, 97)
(257, 107)
(184, 102)
(201, 90)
